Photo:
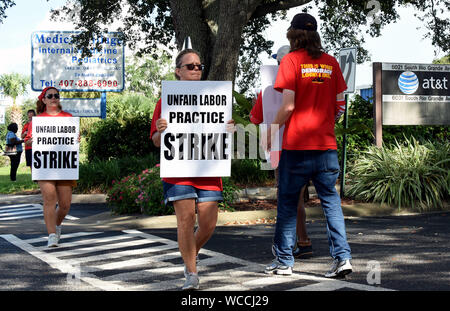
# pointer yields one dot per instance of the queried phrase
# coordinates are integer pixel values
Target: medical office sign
(415, 94)
(57, 62)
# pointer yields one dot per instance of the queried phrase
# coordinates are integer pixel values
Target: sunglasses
(192, 66)
(50, 96)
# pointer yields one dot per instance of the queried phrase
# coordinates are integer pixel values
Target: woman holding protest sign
(189, 194)
(53, 191)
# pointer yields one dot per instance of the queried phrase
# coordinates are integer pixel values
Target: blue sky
(401, 42)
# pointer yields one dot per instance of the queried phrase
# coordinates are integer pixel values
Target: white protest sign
(56, 61)
(55, 148)
(196, 143)
(272, 101)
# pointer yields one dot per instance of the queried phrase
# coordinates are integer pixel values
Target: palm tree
(14, 85)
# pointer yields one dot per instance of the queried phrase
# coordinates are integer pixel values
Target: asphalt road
(404, 253)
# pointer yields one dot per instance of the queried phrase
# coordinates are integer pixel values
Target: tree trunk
(16, 117)
(206, 20)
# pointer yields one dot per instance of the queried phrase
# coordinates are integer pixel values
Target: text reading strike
(194, 146)
(55, 159)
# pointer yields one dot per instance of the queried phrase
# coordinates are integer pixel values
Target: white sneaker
(339, 268)
(192, 282)
(58, 232)
(277, 267)
(52, 240)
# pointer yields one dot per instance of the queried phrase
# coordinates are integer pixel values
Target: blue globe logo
(408, 82)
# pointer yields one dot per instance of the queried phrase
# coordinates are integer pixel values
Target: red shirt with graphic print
(316, 82)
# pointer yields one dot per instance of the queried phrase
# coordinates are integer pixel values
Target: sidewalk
(106, 220)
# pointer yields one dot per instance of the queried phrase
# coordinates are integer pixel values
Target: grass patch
(22, 184)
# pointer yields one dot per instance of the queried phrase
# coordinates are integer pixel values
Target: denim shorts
(180, 192)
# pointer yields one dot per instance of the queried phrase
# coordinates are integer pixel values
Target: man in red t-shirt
(312, 85)
(303, 248)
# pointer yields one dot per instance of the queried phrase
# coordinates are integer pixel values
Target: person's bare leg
(50, 197)
(64, 201)
(207, 220)
(185, 213)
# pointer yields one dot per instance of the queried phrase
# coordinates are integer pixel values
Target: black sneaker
(339, 269)
(303, 251)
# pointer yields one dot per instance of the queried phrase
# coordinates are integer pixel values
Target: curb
(107, 220)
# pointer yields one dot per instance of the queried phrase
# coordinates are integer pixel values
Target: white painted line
(20, 212)
(9, 210)
(61, 265)
(71, 217)
(18, 208)
(69, 235)
(86, 250)
(120, 254)
(87, 241)
(21, 217)
(123, 264)
(20, 205)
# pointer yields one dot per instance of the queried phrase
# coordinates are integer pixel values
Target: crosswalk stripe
(21, 217)
(115, 255)
(66, 236)
(30, 208)
(20, 205)
(87, 241)
(121, 270)
(90, 249)
(23, 211)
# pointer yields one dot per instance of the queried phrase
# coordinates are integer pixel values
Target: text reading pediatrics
(107, 54)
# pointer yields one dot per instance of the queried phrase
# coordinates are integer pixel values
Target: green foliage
(228, 193)
(248, 171)
(126, 130)
(144, 74)
(150, 24)
(143, 193)
(23, 182)
(99, 174)
(122, 195)
(150, 197)
(411, 175)
(360, 125)
(14, 84)
(241, 109)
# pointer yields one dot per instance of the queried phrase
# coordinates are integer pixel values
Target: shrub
(122, 195)
(415, 175)
(229, 191)
(143, 193)
(248, 171)
(150, 197)
(113, 138)
(99, 174)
